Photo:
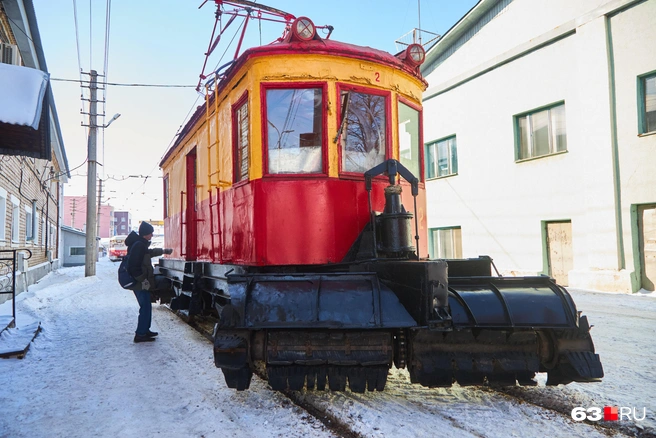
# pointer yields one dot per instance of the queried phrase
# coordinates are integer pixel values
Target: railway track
(435, 401)
(205, 326)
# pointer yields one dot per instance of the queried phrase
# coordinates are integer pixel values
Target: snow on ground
(624, 333)
(83, 376)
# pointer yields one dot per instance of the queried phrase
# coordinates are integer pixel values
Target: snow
(21, 90)
(83, 376)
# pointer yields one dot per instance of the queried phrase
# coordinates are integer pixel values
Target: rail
(8, 272)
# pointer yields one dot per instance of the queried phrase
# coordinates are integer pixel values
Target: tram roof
(317, 46)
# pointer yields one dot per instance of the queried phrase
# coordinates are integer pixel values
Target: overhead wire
(102, 83)
(90, 35)
(77, 38)
(79, 64)
(193, 106)
(108, 10)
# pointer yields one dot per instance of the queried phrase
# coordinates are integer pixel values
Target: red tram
(284, 203)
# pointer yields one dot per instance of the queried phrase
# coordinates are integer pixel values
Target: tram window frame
(387, 95)
(420, 141)
(264, 88)
(166, 188)
(237, 148)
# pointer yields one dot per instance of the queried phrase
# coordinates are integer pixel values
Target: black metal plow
(504, 331)
(347, 329)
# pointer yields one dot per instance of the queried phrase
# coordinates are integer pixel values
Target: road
(83, 376)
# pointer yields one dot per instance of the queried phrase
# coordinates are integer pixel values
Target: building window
(240, 125)
(409, 139)
(31, 223)
(53, 233)
(647, 96)
(36, 224)
(442, 158)
(28, 224)
(77, 250)
(363, 130)
(15, 219)
(3, 212)
(294, 130)
(166, 196)
(445, 243)
(541, 132)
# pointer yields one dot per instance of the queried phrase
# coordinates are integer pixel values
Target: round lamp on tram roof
(303, 29)
(415, 54)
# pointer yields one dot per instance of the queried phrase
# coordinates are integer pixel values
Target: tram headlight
(303, 29)
(415, 54)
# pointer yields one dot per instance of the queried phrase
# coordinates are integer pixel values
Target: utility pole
(91, 243)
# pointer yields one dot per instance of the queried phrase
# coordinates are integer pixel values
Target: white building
(540, 133)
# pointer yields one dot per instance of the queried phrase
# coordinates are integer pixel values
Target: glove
(145, 285)
(168, 251)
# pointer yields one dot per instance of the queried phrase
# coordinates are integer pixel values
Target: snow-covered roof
(22, 90)
(458, 33)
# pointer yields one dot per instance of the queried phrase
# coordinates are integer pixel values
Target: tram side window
(166, 196)
(294, 130)
(363, 131)
(240, 125)
(409, 138)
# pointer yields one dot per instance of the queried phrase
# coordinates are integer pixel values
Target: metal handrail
(12, 259)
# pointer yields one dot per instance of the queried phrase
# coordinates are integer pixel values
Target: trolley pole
(91, 244)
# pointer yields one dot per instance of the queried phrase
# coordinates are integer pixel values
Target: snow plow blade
(506, 330)
(334, 330)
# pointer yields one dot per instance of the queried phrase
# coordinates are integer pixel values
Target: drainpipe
(617, 184)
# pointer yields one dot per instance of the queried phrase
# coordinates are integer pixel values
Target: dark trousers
(145, 311)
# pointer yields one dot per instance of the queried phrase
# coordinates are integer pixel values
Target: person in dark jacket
(141, 269)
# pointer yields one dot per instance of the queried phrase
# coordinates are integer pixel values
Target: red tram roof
(315, 47)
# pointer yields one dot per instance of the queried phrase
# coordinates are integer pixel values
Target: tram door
(190, 241)
(647, 232)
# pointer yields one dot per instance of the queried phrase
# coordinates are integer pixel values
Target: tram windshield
(294, 130)
(363, 131)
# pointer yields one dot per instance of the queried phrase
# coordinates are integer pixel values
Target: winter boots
(143, 338)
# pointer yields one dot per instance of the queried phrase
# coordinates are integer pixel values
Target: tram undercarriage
(332, 329)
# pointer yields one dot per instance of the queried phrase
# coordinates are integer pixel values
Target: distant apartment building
(122, 222)
(75, 216)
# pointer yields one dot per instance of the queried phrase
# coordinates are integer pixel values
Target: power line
(108, 13)
(90, 36)
(116, 84)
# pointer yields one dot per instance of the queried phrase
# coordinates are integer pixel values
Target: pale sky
(163, 42)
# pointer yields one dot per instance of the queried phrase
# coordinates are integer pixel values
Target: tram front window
(294, 130)
(363, 131)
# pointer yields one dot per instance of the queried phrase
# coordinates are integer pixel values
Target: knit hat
(145, 229)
